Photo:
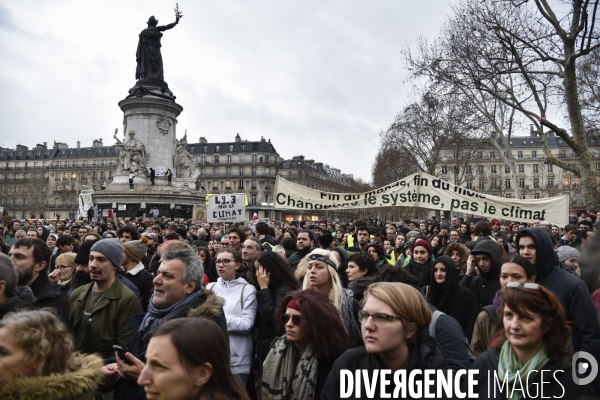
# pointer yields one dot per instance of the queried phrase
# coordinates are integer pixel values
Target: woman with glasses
(534, 333)
(240, 309)
(393, 322)
(322, 276)
(513, 269)
(300, 360)
(63, 273)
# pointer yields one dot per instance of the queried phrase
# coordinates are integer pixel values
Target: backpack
(434, 317)
(491, 310)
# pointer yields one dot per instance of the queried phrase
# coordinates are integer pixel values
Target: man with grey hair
(280, 251)
(11, 296)
(179, 292)
(251, 248)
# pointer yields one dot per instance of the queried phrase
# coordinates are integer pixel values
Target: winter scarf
(284, 377)
(509, 365)
(156, 317)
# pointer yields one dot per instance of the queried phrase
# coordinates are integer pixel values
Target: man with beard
(30, 257)
(11, 296)
(152, 245)
(179, 292)
(305, 243)
(99, 311)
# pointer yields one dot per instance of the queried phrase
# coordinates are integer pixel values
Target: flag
(255, 216)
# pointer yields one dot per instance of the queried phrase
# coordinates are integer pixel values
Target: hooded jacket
(240, 311)
(22, 298)
(459, 303)
(486, 284)
(464, 255)
(78, 383)
(571, 290)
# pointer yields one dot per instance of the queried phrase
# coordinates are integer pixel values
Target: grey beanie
(566, 252)
(112, 249)
(136, 249)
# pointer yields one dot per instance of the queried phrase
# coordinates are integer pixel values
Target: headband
(319, 257)
(295, 304)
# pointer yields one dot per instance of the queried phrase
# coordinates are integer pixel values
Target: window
(494, 184)
(536, 195)
(241, 184)
(521, 168)
(110, 174)
(228, 158)
(57, 164)
(533, 154)
(535, 168)
(93, 174)
(203, 160)
(216, 159)
(254, 159)
(253, 184)
(266, 160)
(596, 153)
(481, 185)
(267, 184)
(549, 167)
(550, 183)
(468, 169)
(519, 154)
(230, 147)
(267, 171)
(597, 167)
(217, 148)
(216, 172)
(480, 169)
(85, 163)
(242, 159)
(253, 200)
(445, 169)
(562, 154)
(203, 172)
(205, 149)
(101, 174)
(494, 170)
(266, 198)
(241, 171)
(95, 163)
(103, 163)
(507, 181)
(228, 184)
(253, 171)
(536, 183)
(228, 171)
(522, 183)
(470, 185)
(492, 155)
(506, 169)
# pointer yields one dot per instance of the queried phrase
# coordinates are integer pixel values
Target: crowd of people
(165, 309)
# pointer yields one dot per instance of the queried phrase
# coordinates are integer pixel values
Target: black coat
(22, 298)
(556, 383)
(426, 355)
(486, 284)
(459, 302)
(50, 294)
(570, 289)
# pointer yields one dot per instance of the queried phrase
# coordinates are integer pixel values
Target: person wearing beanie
(133, 252)
(100, 310)
(569, 257)
(326, 241)
(419, 264)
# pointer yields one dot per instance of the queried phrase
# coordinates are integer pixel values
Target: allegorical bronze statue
(149, 60)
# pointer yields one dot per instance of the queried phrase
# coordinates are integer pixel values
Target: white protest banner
(85, 202)
(423, 190)
(226, 208)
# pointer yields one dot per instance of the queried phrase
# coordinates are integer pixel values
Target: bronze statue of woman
(149, 60)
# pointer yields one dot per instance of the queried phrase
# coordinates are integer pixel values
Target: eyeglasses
(528, 285)
(224, 262)
(296, 319)
(380, 319)
(61, 267)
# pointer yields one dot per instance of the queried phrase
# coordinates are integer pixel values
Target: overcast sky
(318, 78)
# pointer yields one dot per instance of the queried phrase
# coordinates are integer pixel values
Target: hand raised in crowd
(471, 265)
(53, 276)
(132, 371)
(263, 278)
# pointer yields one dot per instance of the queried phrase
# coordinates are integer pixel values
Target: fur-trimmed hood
(211, 307)
(462, 250)
(78, 383)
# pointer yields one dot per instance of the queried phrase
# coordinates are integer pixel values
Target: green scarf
(509, 365)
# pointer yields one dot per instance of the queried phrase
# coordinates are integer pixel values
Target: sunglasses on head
(296, 319)
(518, 285)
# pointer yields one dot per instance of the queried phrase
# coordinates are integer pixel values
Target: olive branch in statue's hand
(178, 13)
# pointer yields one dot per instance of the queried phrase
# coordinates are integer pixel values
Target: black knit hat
(83, 254)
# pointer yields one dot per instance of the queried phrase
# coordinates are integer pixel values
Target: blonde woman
(322, 276)
(63, 273)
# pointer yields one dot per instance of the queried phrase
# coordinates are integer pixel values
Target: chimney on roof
(78, 144)
(262, 138)
(238, 139)
(202, 140)
(97, 143)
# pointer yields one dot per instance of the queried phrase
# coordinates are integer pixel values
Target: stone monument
(150, 124)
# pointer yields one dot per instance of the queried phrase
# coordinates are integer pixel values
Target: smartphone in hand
(121, 352)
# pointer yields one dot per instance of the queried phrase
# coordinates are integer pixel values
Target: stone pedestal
(154, 120)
